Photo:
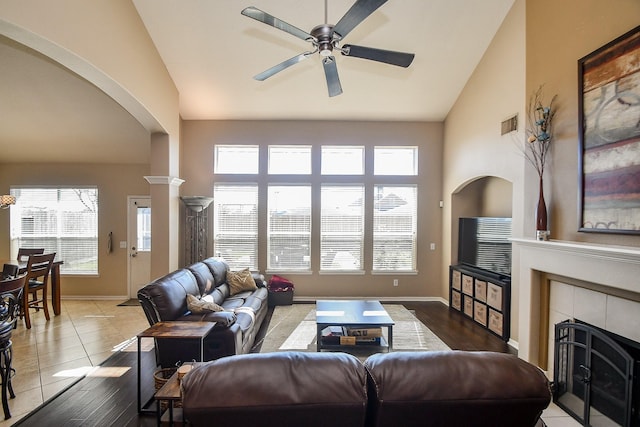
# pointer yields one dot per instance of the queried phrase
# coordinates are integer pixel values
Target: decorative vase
(542, 232)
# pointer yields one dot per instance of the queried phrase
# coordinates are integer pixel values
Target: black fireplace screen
(593, 377)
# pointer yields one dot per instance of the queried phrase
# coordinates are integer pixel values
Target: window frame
(62, 218)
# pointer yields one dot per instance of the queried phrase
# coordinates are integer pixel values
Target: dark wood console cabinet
(483, 297)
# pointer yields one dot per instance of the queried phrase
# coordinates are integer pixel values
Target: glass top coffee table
(339, 315)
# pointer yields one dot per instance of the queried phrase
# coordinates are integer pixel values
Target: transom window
(339, 160)
(236, 159)
(395, 161)
(60, 220)
(289, 159)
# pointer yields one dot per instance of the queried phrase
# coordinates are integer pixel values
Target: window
(340, 160)
(342, 227)
(236, 159)
(289, 228)
(289, 159)
(235, 224)
(395, 161)
(61, 220)
(394, 228)
(339, 209)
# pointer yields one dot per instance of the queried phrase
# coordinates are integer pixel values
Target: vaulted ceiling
(212, 52)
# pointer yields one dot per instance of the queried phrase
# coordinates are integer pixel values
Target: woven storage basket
(160, 378)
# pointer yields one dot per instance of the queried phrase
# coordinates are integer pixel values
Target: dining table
(54, 277)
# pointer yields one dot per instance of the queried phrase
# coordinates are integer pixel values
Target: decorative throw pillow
(240, 281)
(199, 306)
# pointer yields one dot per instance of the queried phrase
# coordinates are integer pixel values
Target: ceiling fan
(326, 38)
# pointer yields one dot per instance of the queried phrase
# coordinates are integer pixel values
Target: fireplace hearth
(596, 375)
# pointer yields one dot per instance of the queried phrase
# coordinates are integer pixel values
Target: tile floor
(52, 355)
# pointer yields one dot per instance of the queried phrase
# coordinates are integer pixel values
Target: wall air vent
(509, 125)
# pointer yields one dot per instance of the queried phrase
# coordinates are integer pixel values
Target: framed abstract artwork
(609, 132)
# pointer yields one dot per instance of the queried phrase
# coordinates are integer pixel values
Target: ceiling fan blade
(281, 66)
(264, 17)
(400, 59)
(331, 73)
(360, 10)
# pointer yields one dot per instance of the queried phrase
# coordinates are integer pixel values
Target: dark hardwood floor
(111, 400)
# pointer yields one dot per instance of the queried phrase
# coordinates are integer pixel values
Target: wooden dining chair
(11, 291)
(9, 271)
(37, 279)
(23, 253)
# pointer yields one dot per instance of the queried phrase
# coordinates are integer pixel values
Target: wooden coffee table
(352, 313)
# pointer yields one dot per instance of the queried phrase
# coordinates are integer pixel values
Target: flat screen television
(484, 243)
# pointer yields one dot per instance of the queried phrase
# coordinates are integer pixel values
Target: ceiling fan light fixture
(327, 37)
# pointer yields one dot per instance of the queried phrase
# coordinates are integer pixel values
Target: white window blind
(235, 224)
(60, 220)
(394, 228)
(342, 227)
(289, 228)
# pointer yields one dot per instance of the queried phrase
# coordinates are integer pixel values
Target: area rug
(293, 328)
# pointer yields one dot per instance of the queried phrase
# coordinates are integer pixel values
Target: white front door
(139, 243)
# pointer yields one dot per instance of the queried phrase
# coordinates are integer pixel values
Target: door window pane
(144, 229)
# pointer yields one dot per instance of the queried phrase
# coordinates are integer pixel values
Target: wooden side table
(173, 330)
(171, 392)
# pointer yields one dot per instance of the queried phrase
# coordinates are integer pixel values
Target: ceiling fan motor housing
(324, 36)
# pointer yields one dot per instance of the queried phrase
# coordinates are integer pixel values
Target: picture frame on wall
(609, 133)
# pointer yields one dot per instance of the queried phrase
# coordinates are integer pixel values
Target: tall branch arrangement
(539, 131)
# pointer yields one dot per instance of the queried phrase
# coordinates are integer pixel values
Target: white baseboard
(382, 299)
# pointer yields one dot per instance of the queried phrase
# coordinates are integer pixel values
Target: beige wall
(106, 43)
(199, 137)
(559, 33)
(540, 42)
(474, 148)
(115, 183)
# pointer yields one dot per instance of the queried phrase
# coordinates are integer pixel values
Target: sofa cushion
(240, 281)
(218, 268)
(277, 389)
(198, 306)
(452, 388)
(203, 276)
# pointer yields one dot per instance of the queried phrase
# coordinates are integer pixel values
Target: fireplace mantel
(614, 267)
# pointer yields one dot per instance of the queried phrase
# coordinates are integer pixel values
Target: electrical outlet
(433, 246)
(395, 282)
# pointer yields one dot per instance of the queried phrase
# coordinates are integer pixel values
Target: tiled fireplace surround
(558, 280)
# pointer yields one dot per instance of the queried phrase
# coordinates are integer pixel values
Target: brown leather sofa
(165, 299)
(452, 388)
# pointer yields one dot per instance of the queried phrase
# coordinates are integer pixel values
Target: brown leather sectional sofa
(446, 389)
(165, 299)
